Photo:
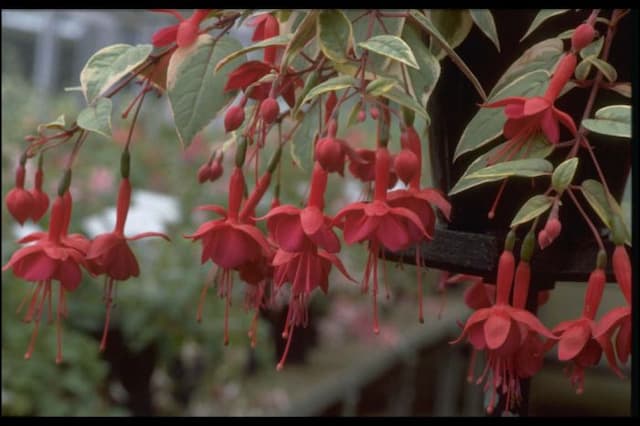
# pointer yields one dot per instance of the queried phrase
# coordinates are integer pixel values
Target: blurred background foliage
(159, 360)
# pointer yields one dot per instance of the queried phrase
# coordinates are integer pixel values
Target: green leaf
(484, 20)
(97, 118)
(531, 167)
(596, 195)
(540, 56)
(58, 123)
(401, 98)
(302, 144)
(336, 83)
(391, 46)
(487, 124)
(304, 32)
(531, 209)
(453, 24)
(335, 34)
(381, 86)
(424, 80)
(614, 120)
(582, 70)
(592, 49)
(279, 40)
(435, 34)
(108, 65)
(563, 174)
(73, 89)
(536, 147)
(353, 114)
(604, 67)
(542, 16)
(195, 90)
(623, 89)
(393, 26)
(310, 83)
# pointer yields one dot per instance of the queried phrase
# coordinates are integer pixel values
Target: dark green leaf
(424, 80)
(302, 143)
(604, 67)
(401, 98)
(603, 204)
(614, 120)
(531, 167)
(453, 24)
(304, 32)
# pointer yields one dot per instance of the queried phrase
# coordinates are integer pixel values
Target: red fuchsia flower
(228, 242)
(577, 343)
(618, 319)
(20, 202)
(267, 26)
(582, 36)
(184, 33)
(528, 116)
(500, 331)
(40, 198)
(51, 257)
(378, 223)
(109, 254)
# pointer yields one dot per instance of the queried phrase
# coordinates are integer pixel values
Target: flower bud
(622, 270)
(215, 171)
(582, 37)
(40, 198)
(233, 118)
(269, 110)
(553, 228)
(330, 154)
(19, 201)
(543, 239)
(204, 172)
(374, 113)
(362, 115)
(406, 165)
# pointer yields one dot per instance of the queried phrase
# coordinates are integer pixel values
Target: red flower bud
(553, 228)
(330, 154)
(543, 239)
(582, 36)
(362, 115)
(269, 110)
(204, 172)
(40, 198)
(19, 201)
(622, 270)
(506, 269)
(595, 288)
(374, 112)
(233, 118)
(215, 171)
(406, 165)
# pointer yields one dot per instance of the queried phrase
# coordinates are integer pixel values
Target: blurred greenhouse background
(159, 360)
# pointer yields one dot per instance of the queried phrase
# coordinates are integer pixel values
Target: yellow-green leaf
(304, 32)
(531, 167)
(542, 16)
(195, 89)
(614, 120)
(381, 86)
(403, 99)
(391, 46)
(97, 118)
(279, 40)
(58, 123)
(603, 204)
(484, 20)
(531, 209)
(336, 83)
(301, 147)
(604, 67)
(108, 65)
(424, 80)
(563, 174)
(335, 34)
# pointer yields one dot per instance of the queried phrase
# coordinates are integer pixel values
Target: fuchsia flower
(528, 116)
(184, 33)
(109, 254)
(507, 334)
(230, 243)
(378, 223)
(304, 257)
(20, 202)
(267, 26)
(577, 342)
(53, 256)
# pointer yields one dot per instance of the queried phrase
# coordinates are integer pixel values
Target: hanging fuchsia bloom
(110, 254)
(294, 229)
(52, 257)
(228, 242)
(362, 165)
(184, 33)
(20, 202)
(267, 26)
(501, 331)
(378, 223)
(528, 116)
(577, 343)
(618, 319)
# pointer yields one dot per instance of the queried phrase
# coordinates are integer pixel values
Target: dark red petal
(165, 36)
(550, 127)
(69, 275)
(572, 341)
(535, 105)
(246, 74)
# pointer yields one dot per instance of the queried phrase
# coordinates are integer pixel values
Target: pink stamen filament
(38, 314)
(61, 303)
(105, 331)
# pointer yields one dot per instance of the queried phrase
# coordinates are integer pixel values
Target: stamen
(29, 316)
(38, 313)
(280, 365)
(105, 331)
(59, 325)
(492, 212)
(376, 326)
